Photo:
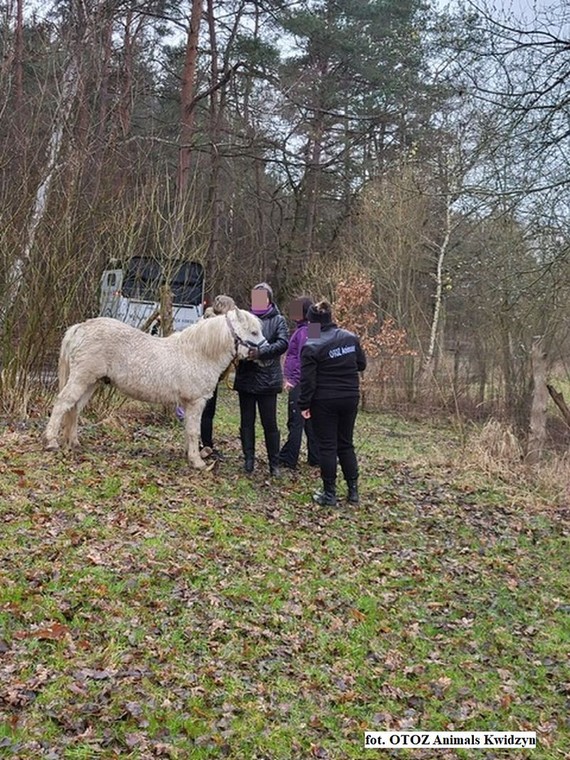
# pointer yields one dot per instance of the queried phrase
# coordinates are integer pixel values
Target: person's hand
(306, 414)
(287, 385)
(253, 353)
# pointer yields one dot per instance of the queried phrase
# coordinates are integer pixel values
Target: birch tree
(54, 158)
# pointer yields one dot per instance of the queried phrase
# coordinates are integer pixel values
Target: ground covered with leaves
(150, 611)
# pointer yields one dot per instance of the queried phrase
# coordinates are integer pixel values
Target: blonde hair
(222, 304)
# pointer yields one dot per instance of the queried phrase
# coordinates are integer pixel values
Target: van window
(143, 279)
(187, 284)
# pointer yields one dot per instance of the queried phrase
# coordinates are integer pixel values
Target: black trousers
(267, 405)
(207, 421)
(289, 453)
(333, 423)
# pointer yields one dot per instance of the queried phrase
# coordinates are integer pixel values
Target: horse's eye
(255, 332)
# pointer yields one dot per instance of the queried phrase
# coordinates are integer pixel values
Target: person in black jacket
(330, 393)
(259, 381)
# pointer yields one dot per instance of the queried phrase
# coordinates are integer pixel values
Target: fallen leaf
(53, 632)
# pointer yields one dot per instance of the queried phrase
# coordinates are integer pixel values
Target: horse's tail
(64, 356)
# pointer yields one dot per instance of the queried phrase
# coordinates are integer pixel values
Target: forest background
(408, 162)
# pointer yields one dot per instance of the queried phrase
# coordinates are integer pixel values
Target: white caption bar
(442, 739)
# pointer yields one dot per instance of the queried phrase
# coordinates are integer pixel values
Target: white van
(131, 293)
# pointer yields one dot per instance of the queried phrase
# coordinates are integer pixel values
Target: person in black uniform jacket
(259, 381)
(330, 393)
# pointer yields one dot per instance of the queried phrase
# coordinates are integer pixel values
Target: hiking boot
(353, 497)
(247, 436)
(272, 441)
(326, 497)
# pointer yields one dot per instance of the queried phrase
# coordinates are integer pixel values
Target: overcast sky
(538, 14)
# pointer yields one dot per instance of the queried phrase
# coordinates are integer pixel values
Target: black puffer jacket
(264, 375)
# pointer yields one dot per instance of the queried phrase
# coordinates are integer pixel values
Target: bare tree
(188, 100)
(70, 82)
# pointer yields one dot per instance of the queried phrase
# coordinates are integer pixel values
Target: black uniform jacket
(264, 375)
(330, 365)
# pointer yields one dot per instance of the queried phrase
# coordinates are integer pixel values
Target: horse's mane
(210, 336)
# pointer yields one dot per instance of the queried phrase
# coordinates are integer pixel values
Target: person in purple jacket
(289, 454)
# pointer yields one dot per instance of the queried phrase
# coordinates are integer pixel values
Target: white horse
(182, 369)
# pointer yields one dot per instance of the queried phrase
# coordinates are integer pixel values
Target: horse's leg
(193, 414)
(65, 402)
(70, 418)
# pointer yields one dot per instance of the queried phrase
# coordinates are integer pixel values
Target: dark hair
(306, 304)
(320, 312)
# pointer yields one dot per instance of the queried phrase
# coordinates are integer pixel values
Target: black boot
(272, 441)
(353, 497)
(247, 436)
(326, 497)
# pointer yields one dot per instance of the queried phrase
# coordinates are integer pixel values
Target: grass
(150, 611)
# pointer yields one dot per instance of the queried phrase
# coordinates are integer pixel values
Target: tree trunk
(313, 177)
(125, 103)
(216, 101)
(429, 363)
(537, 432)
(508, 370)
(456, 368)
(19, 61)
(187, 109)
(187, 104)
(166, 317)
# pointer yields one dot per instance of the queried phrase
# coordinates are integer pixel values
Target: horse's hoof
(205, 466)
(52, 446)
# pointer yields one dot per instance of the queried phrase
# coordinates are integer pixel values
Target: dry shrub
(111, 408)
(553, 476)
(495, 450)
(106, 405)
(15, 393)
(24, 394)
(496, 446)
(382, 340)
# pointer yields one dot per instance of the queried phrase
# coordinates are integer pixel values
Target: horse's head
(246, 331)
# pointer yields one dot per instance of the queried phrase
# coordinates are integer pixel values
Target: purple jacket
(292, 365)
